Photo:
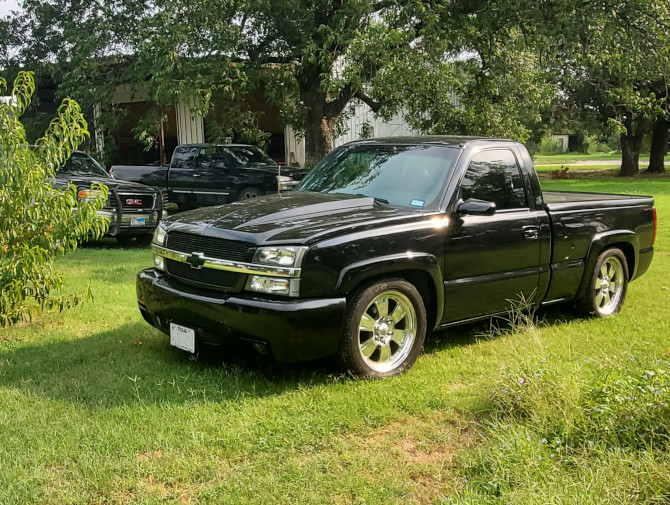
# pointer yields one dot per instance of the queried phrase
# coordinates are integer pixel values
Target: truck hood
(294, 217)
(84, 181)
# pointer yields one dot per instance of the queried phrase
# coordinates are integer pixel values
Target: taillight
(653, 238)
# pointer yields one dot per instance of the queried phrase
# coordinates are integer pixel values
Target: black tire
(607, 287)
(250, 192)
(394, 340)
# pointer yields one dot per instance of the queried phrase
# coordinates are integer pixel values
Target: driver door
(491, 261)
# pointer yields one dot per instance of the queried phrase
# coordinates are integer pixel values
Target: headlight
(284, 183)
(288, 256)
(273, 285)
(159, 235)
(89, 195)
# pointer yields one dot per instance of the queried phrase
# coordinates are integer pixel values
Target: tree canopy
(450, 66)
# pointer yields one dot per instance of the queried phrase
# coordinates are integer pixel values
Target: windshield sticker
(417, 203)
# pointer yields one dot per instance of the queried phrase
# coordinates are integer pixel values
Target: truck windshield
(245, 155)
(83, 164)
(403, 175)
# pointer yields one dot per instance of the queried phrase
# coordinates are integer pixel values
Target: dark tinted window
(83, 164)
(244, 155)
(183, 156)
(404, 175)
(494, 176)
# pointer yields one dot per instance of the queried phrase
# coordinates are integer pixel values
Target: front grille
(135, 201)
(211, 247)
(219, 278)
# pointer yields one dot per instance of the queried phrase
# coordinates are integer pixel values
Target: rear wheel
(250, 192)
(608, 285)
(384, 331)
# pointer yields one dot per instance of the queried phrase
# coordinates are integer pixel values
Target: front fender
(356, 273)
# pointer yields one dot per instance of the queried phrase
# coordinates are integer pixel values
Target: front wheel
(384, 329)
(250, 192)
(607, 287)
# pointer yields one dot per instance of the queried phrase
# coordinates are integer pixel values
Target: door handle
(196, 175)
(531, 232)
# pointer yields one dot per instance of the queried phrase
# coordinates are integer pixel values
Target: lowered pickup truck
(385, 240)
(201, 175)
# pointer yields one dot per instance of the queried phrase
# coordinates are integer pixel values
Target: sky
(6, 6)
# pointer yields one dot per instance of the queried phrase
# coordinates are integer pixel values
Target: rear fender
(625, 239)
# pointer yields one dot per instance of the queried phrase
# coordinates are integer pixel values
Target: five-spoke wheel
(606, 291)
(385, 329)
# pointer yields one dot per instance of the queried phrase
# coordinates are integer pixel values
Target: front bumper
(294, 329)
(131, 223)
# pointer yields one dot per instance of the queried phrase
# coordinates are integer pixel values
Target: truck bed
(573, 200)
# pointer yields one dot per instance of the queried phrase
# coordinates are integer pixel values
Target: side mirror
(219, 165)
(475, 207)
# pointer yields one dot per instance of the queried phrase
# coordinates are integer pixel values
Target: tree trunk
(321, 115)
(318, 135)
(659, 147)
(631, 142)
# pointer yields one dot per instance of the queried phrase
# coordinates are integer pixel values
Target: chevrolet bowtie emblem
(196, 260)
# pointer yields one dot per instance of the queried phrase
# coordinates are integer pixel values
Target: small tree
(38, 222)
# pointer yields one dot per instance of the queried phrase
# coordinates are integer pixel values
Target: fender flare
(599, 243)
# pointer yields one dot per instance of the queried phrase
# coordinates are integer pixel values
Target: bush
(597, 436)
(38, 222)
(549, 145)
(590, 145)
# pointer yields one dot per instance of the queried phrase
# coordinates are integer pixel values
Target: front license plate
(138, 221)
(182, 337)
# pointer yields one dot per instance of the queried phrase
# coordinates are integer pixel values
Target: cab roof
(446, 140)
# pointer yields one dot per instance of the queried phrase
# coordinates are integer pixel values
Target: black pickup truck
(385, 240)
(133, 210)
(201, 175)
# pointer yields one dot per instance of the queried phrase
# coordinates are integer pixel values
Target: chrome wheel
(387, 330)
(609, 286)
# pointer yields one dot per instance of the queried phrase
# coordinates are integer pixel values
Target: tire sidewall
(350, 355)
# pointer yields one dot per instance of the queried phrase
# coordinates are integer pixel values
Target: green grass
(574, 168)
(96, 407)
(555, 159)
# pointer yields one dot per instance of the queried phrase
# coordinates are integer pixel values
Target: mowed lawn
(96, 407)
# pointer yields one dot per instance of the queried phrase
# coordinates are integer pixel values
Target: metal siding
(396, 127)
(190, 128)
(295, 145)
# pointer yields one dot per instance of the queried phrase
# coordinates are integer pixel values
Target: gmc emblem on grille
(133, 201)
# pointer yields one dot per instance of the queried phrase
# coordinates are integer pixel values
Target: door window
(184, 157)
(494, 176)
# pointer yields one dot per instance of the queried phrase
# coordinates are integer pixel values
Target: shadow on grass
(470, 334)
(135, 363)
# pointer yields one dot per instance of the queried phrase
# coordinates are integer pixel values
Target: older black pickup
(200, 175)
